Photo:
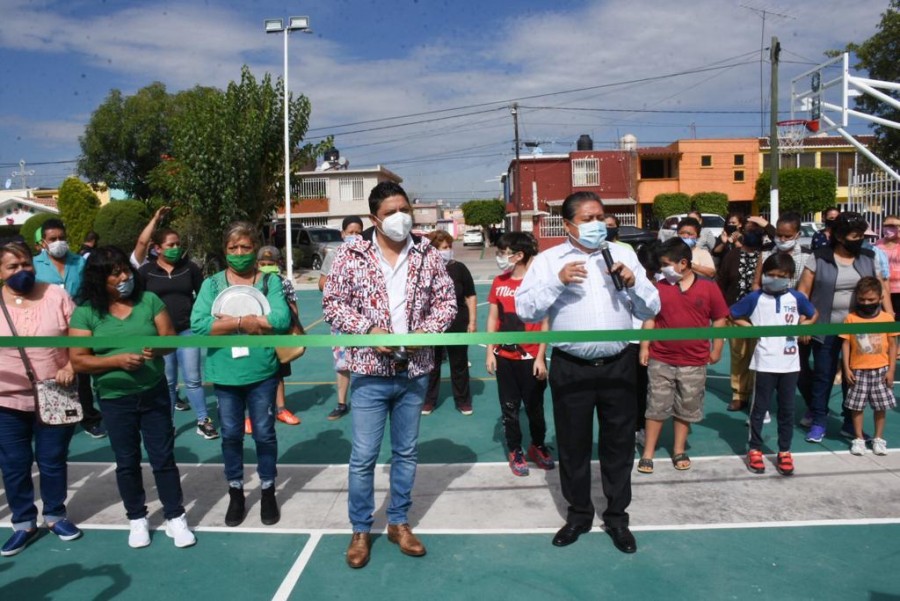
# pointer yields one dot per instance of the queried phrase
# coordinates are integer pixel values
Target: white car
(473, 238)
(711, 222)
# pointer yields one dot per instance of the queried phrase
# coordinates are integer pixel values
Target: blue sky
(374, 59)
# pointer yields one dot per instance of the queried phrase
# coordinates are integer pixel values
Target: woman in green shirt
(130, 381)
(244, 379)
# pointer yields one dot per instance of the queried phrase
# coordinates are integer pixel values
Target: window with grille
(351, 189)
(585, 172)
(312, 187)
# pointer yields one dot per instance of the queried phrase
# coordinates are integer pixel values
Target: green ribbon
(445, 339)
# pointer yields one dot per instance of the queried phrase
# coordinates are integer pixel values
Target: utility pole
(517, 188)
(774, 157)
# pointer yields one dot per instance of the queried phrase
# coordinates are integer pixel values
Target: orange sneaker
(284, 415)
(248, 427)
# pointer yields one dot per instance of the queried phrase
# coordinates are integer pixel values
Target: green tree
(804, 190)
(710, 202)
(483, 213)
(78, 205)
(670, 203)
(126, 138)
(879, 55)
(119, 223)
(227, 154)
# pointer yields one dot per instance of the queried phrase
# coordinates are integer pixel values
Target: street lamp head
(274, 25)
(298, 23)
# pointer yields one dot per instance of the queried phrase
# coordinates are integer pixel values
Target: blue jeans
(826, 361)
(374, 398)
(146, 416)
(188, 359)
(18, 431)
(258, 401)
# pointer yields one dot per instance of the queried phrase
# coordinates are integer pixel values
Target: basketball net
(791, 134)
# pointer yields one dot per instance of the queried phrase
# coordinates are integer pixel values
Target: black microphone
(616, 278)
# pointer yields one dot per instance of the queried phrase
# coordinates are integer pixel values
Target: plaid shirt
(355, 300)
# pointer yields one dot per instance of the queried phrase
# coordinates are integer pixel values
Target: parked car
(310, 244)
(473, 238)
(808, 229)
(635, 236)
(712, 222)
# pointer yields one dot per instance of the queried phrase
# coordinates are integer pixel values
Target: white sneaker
(177, 528)
(879, 446)
(858, 447)
(140, 534)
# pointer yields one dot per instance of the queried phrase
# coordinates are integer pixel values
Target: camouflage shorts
(675, 391)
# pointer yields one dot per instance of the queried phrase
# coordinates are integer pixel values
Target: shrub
(711, 202)
(119, 223)
(672, 203)
(804, 190)
(78, 206)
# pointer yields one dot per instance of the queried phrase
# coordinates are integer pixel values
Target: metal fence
(876, 196)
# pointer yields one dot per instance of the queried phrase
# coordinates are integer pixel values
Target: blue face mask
(691, 242)
(352, 238)
(591, 234)
(775, 286)
(22, 281)
(125, 288)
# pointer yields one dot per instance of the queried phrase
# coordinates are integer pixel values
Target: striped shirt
(594, 304)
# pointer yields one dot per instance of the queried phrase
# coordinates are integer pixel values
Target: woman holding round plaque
(242, 300)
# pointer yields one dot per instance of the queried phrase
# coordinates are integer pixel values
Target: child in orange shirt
(869, 361)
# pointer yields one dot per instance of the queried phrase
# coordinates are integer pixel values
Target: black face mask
(868, 310)
(829, 223)
(612, 233)
(853, 246)
(730, 229)
(752, 240)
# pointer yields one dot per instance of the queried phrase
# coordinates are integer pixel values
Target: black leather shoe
(568, 534)
(623, 539)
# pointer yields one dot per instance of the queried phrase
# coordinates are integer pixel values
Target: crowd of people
(384, 280)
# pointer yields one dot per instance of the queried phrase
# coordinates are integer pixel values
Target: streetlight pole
(517, 189)
(277, 26)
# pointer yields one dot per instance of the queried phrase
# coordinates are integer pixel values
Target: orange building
(730, 166)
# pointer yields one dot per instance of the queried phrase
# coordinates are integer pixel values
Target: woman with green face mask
(176, 280)
(244, 378)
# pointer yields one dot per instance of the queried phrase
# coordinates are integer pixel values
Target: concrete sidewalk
(479, 497)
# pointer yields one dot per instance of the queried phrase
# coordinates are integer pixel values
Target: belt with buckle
(596, 362)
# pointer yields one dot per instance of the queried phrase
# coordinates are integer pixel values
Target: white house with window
(325, 198)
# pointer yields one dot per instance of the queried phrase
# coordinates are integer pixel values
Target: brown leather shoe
(402, 535)
(358, 551)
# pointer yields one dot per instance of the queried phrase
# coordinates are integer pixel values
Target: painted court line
(290, 581)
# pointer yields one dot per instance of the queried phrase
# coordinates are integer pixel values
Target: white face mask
(505, 264)
(397, 226)
(786, 245)
(668, 272)
(446, 255)
(58, 249)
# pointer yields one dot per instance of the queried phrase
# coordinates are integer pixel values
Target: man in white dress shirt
(572, 285)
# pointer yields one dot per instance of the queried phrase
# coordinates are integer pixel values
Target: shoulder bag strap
(28, 369)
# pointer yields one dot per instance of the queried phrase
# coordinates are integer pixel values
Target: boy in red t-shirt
(521, 368)
(869, 363)
(677, 368)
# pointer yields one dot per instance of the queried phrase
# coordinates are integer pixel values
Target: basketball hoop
(791, 134)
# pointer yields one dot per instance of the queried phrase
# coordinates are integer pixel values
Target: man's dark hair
(675, 250)
(791, 217)
(382, 191)
(648, 257)
(613, 217)
(100, 265)
(573, 201)
(779, 261)
(92, 237)
(52, 224)
(689, 222)
(519, 242)
(160, 235)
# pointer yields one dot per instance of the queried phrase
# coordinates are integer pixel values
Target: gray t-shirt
(844, 286)
(327, 263)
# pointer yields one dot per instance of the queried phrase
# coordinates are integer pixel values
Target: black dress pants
(579, 392)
